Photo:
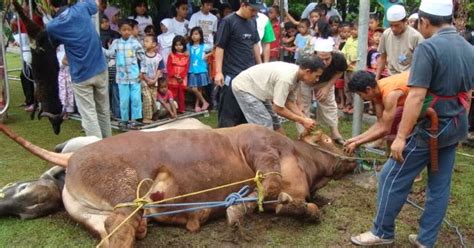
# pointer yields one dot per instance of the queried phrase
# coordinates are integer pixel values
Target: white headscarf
(166, 39)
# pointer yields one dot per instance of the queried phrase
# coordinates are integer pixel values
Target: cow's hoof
(312, 211)
(284, 198)
(193, 225)
(234, 216)
(142, 229)
(278, 209)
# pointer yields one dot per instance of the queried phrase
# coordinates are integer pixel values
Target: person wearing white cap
(412, 20)
(397, 43)
(441, 78)
(335, 66)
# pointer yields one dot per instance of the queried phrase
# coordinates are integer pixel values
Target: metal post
(364, 8)
(6, 90)
(30, 4)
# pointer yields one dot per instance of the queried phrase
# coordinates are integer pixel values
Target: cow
(107, 173)
(37, 198)
(45, 68)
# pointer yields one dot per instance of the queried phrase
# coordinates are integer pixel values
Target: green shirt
(268, 34)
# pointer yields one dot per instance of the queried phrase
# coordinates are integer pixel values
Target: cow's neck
(318, 166)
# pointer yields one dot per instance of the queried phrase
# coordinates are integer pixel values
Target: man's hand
(219, 79)
(308, 123)
(397, 148)
(322, 93)
(350, 147)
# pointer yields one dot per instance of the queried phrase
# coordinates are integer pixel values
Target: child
(151, 71)
(374, 23)
(179, 24)
(373, 54)
(150, 30)
(139, 14)
(206, 20)
(135, 30)
(165, 103)
(323, 33)
(334, 23)
(198, 72)
(127, 51)
(107, 35)
(113, 15)
(303, 41)
(66, 93)
(344, 34)
(288, 42)
(165, 40)
(177, 67)
(350, 52)
(273, 15)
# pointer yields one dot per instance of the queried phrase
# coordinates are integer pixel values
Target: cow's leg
(125, 235)
(298, 207)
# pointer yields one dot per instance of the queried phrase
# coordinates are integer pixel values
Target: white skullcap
(437, 7)
(413, 16)
(323, 45)
(396, 13)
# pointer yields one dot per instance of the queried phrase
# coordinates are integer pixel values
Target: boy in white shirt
(206, 20)
(179, 24)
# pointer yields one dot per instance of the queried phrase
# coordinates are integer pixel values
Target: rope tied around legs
(140, 202)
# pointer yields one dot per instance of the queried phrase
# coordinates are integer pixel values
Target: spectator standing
(331, 11)
(350, 52)
(237, 49)
(107, 35)
(397, 43)
(151, 72)
(303, 41)
(66, 94)
(179, 25)
(140, 14)
(165, 40)
(198, 71)
(265, 32)
(206, 21)
(177, 67)
(127, 51)
(72, 27)
(113, 15)
(274, 15)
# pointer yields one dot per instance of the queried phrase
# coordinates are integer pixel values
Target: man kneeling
(389, 96)
(261, 85)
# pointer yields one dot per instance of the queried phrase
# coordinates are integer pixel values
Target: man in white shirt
(206, 20)
(179, 24)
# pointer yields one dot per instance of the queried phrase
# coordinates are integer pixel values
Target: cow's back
(108, 171)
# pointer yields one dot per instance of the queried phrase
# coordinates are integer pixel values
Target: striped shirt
(127, 53)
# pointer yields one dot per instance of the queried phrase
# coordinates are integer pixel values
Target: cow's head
(324, 143)
(33, 199)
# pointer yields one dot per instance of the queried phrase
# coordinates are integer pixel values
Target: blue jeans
(130, 99)
(114, 99)
(395, 184)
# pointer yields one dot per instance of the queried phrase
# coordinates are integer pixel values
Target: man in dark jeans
(237, 38)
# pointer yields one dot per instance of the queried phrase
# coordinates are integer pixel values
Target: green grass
(350, 210)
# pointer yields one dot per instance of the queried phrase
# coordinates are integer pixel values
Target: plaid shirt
(127, 53)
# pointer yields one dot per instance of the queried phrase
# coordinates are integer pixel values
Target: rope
(465, 154)
(2, 195)
(450, 225)
(140, 202)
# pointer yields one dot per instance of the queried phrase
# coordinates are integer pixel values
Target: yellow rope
(2, 194)
(140, 202)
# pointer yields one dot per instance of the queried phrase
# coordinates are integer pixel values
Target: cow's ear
(311, 138)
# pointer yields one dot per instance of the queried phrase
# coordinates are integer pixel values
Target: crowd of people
(229, 60)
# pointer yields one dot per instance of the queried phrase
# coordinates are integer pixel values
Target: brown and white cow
(106, 173)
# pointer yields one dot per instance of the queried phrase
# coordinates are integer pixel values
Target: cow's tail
(60, 159)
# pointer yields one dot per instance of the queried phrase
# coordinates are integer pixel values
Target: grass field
(347, 207)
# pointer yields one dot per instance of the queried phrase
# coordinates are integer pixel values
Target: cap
(323, 45)
(437, 7)
(257, 4)
(396, 13)
(413, 16)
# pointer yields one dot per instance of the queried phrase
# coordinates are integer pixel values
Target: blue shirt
(73, 27)
(197, 63)
(301, 43)
(127, 53)
(443, 65)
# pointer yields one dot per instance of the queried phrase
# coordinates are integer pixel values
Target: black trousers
(229, 112)
(27, 84)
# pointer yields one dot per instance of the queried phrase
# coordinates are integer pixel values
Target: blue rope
(232, 199)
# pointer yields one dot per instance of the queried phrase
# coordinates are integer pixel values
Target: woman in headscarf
(113, 14)
(165, 39)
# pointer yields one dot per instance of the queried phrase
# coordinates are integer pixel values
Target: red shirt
(275, 46)
(166, 97)
(177, 65)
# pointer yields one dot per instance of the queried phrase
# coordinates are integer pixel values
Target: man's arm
(322, 93)
(256, 53)
(266, 52)
(381, 62)
(287, 113)
(219, 57)
(382, 126)
(411, 112)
